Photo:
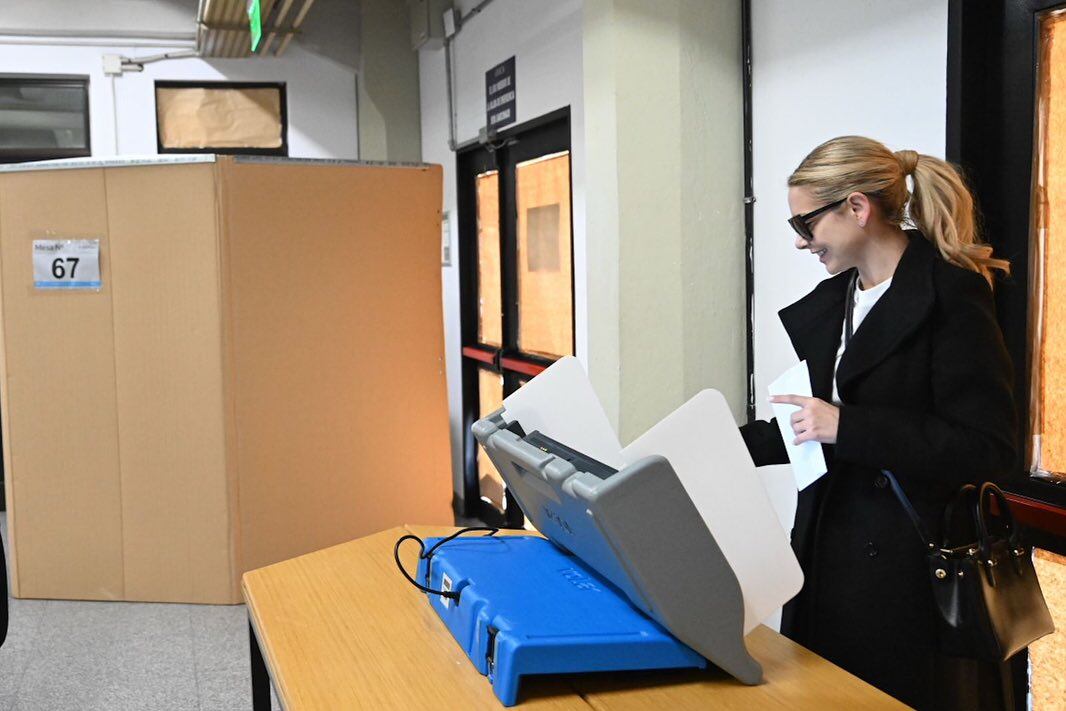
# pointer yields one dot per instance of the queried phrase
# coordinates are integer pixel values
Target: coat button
(880, 481)
(871, 549)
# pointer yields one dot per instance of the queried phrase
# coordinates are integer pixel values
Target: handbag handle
(989, 491)
(964, 495)
(909, 508)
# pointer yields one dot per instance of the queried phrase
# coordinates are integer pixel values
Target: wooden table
(340, 629)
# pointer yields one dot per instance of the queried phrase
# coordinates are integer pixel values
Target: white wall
(319, 73)
(142, 17)
(666, 287)
(823, 69)
(390, 126)
(545, 38)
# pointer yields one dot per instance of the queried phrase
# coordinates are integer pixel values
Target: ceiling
(223, 27)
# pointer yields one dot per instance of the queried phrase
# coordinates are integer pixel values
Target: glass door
(516, 267)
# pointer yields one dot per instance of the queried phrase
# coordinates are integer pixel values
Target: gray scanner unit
(640, 530)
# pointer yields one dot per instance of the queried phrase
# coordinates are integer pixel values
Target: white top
(864, 301)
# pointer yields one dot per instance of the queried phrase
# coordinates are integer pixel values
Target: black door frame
(993, 48)
(544, 135)
(991, 108)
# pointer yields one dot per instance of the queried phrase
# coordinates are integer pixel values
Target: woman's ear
(860, 207)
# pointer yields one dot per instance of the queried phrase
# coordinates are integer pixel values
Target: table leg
(260, 675)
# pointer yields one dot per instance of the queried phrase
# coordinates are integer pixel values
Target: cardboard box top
(113, 162)
(329, 161)
(141, 160)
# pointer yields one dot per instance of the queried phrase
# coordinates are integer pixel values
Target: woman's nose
(801, 242)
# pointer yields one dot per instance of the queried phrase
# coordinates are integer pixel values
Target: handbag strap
(849, 311)
(909, 508)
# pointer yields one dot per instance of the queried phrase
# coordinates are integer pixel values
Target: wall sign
(66, 263)
(255, 23)
(500, 95)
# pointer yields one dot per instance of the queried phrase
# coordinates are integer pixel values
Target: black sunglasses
(799, 222)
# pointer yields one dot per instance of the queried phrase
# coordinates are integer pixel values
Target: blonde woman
(922, 388)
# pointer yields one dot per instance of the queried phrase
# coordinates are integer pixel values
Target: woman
(922, 389)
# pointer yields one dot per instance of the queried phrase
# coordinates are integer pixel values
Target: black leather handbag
(987, 595)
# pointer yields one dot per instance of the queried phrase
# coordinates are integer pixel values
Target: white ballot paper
(808, 460)
(781, 486)
(701, 441)
(564, 406)
(704, 446)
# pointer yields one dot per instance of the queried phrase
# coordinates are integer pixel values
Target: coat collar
(814, 323)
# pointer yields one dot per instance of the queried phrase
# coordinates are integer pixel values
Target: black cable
(426, 555)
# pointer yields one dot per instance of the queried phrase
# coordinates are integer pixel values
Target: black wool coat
(926, 383)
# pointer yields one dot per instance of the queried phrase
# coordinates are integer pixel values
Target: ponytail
(941, 206)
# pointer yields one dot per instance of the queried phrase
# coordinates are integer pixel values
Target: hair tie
(907, 161)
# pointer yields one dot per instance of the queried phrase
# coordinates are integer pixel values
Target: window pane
(1049, 376)
(1049, 366)
(222, 117)
(490, 389)
(490, 303)
(545, 294)
(42, 115)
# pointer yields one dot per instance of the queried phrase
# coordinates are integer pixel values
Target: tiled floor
(118, 656)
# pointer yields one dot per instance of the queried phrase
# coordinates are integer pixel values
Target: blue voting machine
(526, 607)
(627, 576)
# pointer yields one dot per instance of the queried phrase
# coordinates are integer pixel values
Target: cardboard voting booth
(675, 532)
(202, 361)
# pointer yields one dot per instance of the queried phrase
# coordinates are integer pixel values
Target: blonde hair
(941, 206)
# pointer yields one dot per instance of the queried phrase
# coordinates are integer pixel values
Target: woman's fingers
(798, 400)
(816, 420)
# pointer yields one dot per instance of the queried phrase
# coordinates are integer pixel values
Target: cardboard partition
(168, 364)
(59, 411)
(260, 374)
(336, 349)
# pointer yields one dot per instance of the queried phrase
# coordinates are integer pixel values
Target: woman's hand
(816, 420)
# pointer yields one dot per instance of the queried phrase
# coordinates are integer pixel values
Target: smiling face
(839, 234)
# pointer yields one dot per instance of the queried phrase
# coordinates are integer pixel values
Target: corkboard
(196, 117)
(1048, 655)
(490, 396)
(545, 283)
(490, 300)
(1051, 422)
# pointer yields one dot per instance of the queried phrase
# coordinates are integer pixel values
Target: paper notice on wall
(808, 459)
(66, 264)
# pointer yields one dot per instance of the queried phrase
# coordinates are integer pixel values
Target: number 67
(57, 267)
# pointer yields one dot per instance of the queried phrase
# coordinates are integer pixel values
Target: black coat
(926, 383)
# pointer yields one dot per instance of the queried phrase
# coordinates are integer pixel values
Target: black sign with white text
(500, 95)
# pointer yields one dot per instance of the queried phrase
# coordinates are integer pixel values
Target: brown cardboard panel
(61, 456)
(197, 117)
(168, 361)
(336, 352)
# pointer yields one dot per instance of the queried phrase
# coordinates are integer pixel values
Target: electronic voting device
(630, 576)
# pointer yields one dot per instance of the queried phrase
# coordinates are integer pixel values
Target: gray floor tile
(115, 656)
(111, 656)
(24, 619)
(220, 638)
(226, 690)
